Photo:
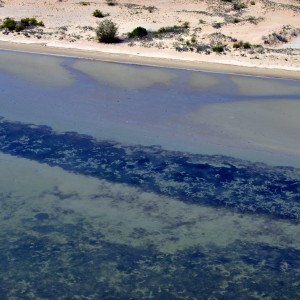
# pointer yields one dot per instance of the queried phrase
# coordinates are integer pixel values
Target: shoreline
(139, 59)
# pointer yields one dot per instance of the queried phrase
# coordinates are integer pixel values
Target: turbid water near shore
(177, 109)
(138, 182)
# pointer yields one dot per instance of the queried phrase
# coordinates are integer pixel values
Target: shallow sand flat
(268, 125)
(251, 86)
(44, 70)
(123, 214)
(203, 80)
(123, 76)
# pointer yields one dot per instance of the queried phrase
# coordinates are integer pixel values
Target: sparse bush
(238, 6)
(201, 21)
(218, 48)
(236, 20)
(84, 3)
(186, 25)
(151, 9)
(217, 25)
(98, 14)
(106, 31)
(163, 30)
(138, 32)
(247, 45)
(237, 45)
(252, 2)
(202, 47)
(171, 29)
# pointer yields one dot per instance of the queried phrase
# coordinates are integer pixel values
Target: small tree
(106, 31)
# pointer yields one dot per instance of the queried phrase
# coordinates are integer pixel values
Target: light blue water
(105, 195)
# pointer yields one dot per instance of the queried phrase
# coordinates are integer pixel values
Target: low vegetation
(24, 23)
(111, 2)
(218, 48)
(173, 29)
(239, 6)
(99, 14)
(242, 45)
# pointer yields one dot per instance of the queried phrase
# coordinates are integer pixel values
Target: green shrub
(106, 31)
(218, 48)
(193, 39)
(24, 23)
(252, 2)
(241, 44)
(247, 45)
(98, 14)
(163, 30)
(9, 24)
(186, 25)
(237, 45)
(138, 32)
(84, 3)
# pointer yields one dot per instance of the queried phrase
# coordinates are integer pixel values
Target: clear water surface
(131, 182)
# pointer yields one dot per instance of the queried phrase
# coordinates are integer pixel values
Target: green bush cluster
(218, 48)
(24, 23)
(241, 44)
(138, 32)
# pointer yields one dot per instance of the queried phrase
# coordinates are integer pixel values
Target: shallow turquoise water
(110, 188)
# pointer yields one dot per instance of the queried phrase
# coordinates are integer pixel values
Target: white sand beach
(70, 30)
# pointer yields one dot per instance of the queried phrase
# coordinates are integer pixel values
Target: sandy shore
(171, 62)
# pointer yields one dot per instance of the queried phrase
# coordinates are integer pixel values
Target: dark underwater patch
(103, 270)
(193, 178)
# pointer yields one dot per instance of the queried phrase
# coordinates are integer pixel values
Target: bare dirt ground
(191, 31)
